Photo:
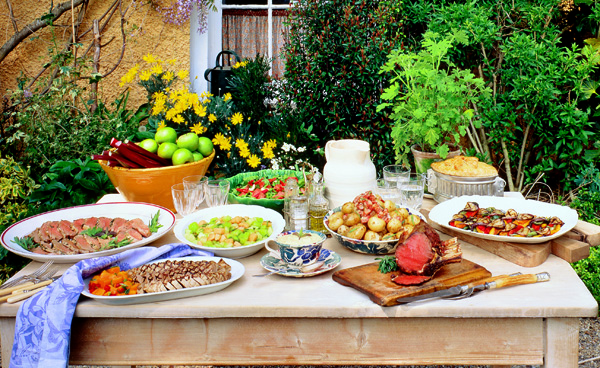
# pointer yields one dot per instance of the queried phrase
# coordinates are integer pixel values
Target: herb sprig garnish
(387, 264)
(25, 242)
(154, 225)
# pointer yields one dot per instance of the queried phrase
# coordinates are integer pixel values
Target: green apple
(149, 144)
(166, 150)
(188, 140)
(197, 156)
(182, 156)
(165, 134)
(205, 146)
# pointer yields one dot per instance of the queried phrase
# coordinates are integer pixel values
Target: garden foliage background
(65, 96)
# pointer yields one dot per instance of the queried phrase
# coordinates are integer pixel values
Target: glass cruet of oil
(318, 205)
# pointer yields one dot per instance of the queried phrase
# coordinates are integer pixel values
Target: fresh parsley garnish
(387, 264)
(92, 231)
(154, 225)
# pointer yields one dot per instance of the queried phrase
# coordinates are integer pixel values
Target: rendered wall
(146, 33)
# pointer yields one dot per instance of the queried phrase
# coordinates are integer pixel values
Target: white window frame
(205, 47)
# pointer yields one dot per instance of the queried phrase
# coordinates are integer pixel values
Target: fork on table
(37, 273)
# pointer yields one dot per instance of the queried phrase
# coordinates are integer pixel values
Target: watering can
(220, 74)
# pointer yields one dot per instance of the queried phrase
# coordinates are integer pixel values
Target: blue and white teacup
(297, 249)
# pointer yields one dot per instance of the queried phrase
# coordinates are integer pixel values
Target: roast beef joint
(422, 254)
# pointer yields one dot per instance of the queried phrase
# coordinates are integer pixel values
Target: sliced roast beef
(410, 280)
(90, 222)
(67, 229)
(140, 226)
(117, 224)
(104, 222)
(83, 245)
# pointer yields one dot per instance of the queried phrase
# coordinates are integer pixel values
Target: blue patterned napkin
(43, 326)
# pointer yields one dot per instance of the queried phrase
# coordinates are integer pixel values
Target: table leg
(561, 346)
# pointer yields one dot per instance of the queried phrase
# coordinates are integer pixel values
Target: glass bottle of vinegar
(318, 205)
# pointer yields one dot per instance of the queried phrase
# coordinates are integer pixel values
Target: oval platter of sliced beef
(71, 234)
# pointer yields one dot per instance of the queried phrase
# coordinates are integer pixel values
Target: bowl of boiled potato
(371, 225)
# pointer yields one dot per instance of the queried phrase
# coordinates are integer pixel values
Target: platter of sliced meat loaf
(164, 279)
(95, 230)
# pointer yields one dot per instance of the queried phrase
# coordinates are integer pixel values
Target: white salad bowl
(277, 221)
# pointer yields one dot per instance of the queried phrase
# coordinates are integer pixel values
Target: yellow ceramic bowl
(153, 185)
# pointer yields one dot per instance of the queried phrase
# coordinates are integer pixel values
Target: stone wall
(145, 33)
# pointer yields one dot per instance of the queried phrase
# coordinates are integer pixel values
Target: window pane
(280, 2)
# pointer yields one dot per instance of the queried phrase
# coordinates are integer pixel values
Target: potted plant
(430, 98)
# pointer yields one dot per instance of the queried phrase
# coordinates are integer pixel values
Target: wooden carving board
(382, 290)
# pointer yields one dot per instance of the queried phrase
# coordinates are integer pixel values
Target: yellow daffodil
(161, 125)
(198, 128)
(200, 110)
(171, 61)
(149, 58)
(159, 106)
(129, 76)
(244, 153)
(157, 69)
(183, 74)
(227, 97)
(178, 119)
(212, 118)
(253, 161)
(145, 75)
(168, 76)
(237, 118)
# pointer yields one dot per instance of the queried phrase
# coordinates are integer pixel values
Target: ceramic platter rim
(127, 210)
(237, 271)
(442, 213)
(233, 210)
(337, 260)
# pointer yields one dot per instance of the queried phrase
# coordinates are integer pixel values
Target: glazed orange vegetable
(113, 282)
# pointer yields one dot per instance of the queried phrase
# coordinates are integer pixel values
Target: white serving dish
(237, 271)
(443, 212)
(126, 210)
(232, 210)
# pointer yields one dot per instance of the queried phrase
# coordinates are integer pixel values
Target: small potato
(376, 224)
(413, 220)
(389, 205)
(351, 219)
(403, 212)
(394, 225)
(335, 223)
(372, 235)
(336, 215)
(357, 231)
(343, 230)
(348, 207)
(407, 230)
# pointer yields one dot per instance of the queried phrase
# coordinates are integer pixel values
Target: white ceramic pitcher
(348, 171)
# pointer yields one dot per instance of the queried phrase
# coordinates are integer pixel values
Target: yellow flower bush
(239, 141)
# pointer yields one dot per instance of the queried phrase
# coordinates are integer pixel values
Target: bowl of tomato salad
(263, 188)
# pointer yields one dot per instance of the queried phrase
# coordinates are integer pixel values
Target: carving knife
(467, 290)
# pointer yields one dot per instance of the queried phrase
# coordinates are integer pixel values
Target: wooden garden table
(276, 320)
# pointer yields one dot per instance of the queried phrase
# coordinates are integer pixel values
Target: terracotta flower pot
(153, 185)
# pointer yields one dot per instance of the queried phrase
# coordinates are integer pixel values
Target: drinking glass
(216, 192)
(395, 174)
(411, 191)
(198, 183)
(388, 190)
(184, 199)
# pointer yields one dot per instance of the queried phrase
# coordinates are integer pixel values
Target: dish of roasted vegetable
(506, 219)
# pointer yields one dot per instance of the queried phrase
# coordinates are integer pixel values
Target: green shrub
(331, 80)
(535, 122)
(71, 183)
(15, 186)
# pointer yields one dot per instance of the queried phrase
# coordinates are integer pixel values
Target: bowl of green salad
(231, 231)
(264, 188)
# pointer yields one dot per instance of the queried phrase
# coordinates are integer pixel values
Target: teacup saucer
(328, 260)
